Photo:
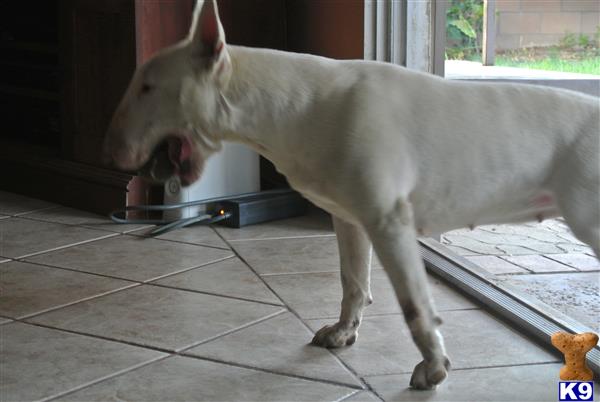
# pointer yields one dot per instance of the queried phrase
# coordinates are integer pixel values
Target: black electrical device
(260, 208)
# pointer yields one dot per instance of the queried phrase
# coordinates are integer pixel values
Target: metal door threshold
(527, 314)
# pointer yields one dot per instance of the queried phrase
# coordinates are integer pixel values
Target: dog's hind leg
(395, 241)
(355, 261)
(581, 209)
(578, 191)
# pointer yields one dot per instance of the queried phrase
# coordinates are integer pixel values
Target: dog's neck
(269, 96)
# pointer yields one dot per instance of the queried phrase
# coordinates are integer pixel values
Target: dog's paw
(335, 336)
(427, 375)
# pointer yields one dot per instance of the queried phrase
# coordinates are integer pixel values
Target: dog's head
(167, 120)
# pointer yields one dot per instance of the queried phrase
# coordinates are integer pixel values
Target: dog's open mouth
(175, 156)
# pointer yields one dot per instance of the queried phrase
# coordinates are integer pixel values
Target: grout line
(32, 211)
(145, 281)
(279, 238)
(299, 273)
(177, 241)
(183, 350)
(399, 313)
(181, 353)
(295, 313)
(105, 378)
(345, 398)
(508, 365)
(264, 370)
(79, 225)
(85, 299)
(373, 269)
(204, 292)
(184, 270)
(107, 236)
(96, 336)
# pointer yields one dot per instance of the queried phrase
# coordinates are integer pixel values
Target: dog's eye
(146, 88)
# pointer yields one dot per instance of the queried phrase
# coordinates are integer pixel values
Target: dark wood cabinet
(64, 65)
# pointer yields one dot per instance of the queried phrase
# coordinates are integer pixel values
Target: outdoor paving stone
(12, 204)
(28, 289)
(279, 344)
(472, 338)
(577, 295)
(582, 262)
(537, 382)
(23, 237)
(537, 231)
(187, 379)
(133, 258)
(70, 216)
(466, 246)
(496, 265)
(314, 223)
(316, 295)
(230, 277)
(38, 363)
(538, 263)
(158, 317)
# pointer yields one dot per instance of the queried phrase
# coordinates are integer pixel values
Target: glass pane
(539, 39)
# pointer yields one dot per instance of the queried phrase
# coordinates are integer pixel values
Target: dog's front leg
(355, 262)
(395, 242)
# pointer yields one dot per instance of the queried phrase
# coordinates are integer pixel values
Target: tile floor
(91, 311)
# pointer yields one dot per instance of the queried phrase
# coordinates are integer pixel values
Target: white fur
(389, 152)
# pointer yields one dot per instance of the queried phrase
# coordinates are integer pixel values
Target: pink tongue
(180, 150)
(186, 149)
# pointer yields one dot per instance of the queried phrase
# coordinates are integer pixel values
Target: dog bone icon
(574, 347)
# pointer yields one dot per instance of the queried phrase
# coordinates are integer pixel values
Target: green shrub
(464, 28)
(568, 41)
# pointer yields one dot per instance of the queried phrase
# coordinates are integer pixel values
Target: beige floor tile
(315, 223)
(70, 216)
(363, 396)
(310, 254)
(12, 204)
(29, 289)
(317, 295)
(22, 237)
(134, 258)
(279, 344)
(515, 383)
(187, 379)
(155, 316)
(37, 362)
(280, 256)
(230, 277)
(201, 235)
(473, 338)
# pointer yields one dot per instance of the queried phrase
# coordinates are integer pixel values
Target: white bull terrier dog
(390, 153)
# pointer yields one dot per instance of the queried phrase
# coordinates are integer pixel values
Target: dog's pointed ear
(207, 38)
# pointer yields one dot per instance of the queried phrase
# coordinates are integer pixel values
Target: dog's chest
(320, 193)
